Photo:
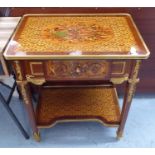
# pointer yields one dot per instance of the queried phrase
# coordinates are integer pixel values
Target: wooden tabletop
(76, 36)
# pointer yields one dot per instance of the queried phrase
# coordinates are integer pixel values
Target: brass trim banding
(31, 68)
(123, 68)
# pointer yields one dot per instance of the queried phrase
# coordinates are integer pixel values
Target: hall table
(76, 61)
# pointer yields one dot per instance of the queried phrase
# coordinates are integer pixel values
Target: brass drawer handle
(78, 70)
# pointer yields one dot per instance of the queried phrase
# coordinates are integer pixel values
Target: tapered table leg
(130, 90)
(26, 95)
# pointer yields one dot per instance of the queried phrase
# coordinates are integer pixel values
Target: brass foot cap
(119, 135)
(36, 136)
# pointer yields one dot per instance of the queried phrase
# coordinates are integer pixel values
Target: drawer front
(77, 69)
(63, 70)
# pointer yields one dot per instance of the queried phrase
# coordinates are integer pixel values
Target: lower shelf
(78, 104)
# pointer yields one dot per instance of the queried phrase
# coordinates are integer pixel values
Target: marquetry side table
(77, 60)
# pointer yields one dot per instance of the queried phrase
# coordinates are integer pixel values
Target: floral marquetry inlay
(77, 69)
(77, 32)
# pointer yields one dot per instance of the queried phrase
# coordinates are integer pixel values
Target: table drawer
(77, 69)
(63, 70)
